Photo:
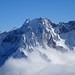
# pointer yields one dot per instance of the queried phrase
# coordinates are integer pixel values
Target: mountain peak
(38, 22)
(39, 32)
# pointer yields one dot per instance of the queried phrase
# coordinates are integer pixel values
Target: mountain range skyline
(37, 37)
(38, 47)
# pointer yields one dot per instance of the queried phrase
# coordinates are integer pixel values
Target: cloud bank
(36, 64)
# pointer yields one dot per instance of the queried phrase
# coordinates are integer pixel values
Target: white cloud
(61, 64)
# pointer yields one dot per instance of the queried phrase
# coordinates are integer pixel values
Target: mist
(41, 62)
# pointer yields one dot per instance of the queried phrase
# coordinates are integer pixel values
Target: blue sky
(14, 12)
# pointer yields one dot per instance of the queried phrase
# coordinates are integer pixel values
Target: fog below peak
(53, 63)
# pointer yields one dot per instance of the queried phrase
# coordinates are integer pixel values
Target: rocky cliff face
(34, 33)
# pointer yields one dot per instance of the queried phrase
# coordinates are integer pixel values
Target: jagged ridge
(34, 33)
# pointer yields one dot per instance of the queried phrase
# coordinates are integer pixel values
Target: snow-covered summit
(39, 32)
